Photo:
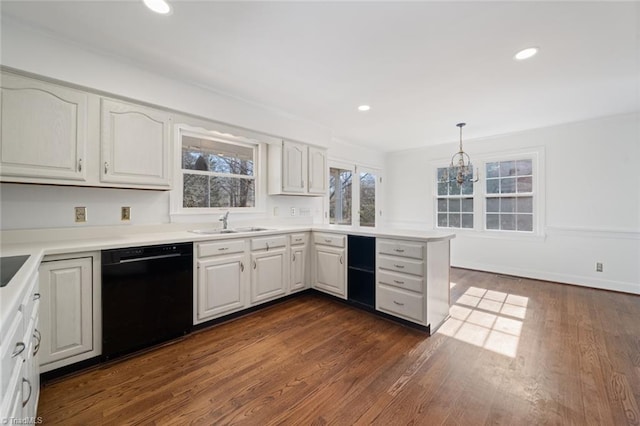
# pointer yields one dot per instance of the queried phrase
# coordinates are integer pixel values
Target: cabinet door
(221, 286)
(294, 167)
(66, 288)
(317, 170)
(268, 274)
(330, 270)
(43, 130)
(135, 144)
(298, 265)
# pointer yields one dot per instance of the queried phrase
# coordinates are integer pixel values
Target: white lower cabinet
(221, 286)
(269, 271)
(70, 311)
(298, 267)
(330, 267)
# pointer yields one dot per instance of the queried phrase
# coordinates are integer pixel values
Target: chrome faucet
(225, 220)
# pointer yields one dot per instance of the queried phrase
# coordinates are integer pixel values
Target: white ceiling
(422, 66)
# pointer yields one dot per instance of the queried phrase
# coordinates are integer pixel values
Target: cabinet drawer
(400, 248)
(329, 239)
(31, 300)
(407, 282)
(12, 350)
(220, 248)
(399, 264)
(267, 243)
(296, 239)
(401, 303)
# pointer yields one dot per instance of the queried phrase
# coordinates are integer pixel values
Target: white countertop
(42, 242)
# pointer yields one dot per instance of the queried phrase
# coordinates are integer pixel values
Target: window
(455, 203)
(217, 172)
(367, 198)
(340, 197)
(509, 195)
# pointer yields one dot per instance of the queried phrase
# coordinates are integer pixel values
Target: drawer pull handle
(327, 240)
(398, 303)
(80, 165)
(38, 336)
(398, 282)
(254, 265)
(25, 402)
(294, 257)
(267, 246)
(18, 350)
(341, 262)
(241, 267)
(36, 296)
(298, 240)
(399, 266)
(399, 250)
(223, 248)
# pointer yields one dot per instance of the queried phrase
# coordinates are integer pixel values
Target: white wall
(35, 206)
(592, 199)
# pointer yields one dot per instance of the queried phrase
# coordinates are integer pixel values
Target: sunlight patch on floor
(488, 319)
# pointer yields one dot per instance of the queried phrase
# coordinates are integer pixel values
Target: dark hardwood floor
(514, 352)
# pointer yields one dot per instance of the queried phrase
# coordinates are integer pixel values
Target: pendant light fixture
(460, 170)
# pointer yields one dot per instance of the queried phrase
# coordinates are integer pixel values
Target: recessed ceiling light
(158, 6)
(526, 53)
(364, 108)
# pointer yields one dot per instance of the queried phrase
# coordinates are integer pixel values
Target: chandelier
(460, 170)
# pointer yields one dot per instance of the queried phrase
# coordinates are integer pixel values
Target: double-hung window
(509, 195)
(217, 173)
(455, 202)
(353, 195)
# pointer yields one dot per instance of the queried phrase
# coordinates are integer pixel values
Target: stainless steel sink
(228, 231)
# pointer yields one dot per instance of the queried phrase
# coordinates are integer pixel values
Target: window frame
(537, 157)
(177, 193)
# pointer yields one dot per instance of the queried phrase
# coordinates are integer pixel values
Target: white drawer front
(297, 239)
(401, 303)
(267, 243)
(220, 247)
(399, 264)
(407, 282)
(400, 248)
(329, 239)
(12, 350)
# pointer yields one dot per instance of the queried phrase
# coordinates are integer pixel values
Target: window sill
(496, 235)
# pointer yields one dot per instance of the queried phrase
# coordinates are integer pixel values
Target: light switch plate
(80, 214)
(125, 213)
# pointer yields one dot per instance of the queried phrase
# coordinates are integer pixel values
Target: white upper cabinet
(297, 169)
(43, 130)
(317, 170)
(135, 144)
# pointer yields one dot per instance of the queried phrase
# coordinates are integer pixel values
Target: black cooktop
(9, 265)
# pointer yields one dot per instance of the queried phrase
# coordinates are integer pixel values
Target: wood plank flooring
(514, 352)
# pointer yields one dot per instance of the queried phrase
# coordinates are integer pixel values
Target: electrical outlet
(599, 266)
(125, 213)
(293, 211)
(80, 214)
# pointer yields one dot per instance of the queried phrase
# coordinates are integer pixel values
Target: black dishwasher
(361, 274)
(147, 296)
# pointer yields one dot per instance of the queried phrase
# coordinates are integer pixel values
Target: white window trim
(176, 193)
(537, 155)
(355, 169)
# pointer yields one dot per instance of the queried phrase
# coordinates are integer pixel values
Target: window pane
(454, 205)
(340, 196)
(524, 205)
(442, 188)
(507, 168)
(467, 204)
(441, 173)
(493, 204)
(231, 192)
(467, 220)
(508, 205)
(454, 188)
(493, 221)
(508, 222)
(454, 220)
(525, 184)
(467, 188)
(525, 222)
(216, 156)
(195, 191)
(507, 185)
(493, 170)
(524, 167)
(493, 186)
(442, 220)
(442, 205)
(367, 199)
